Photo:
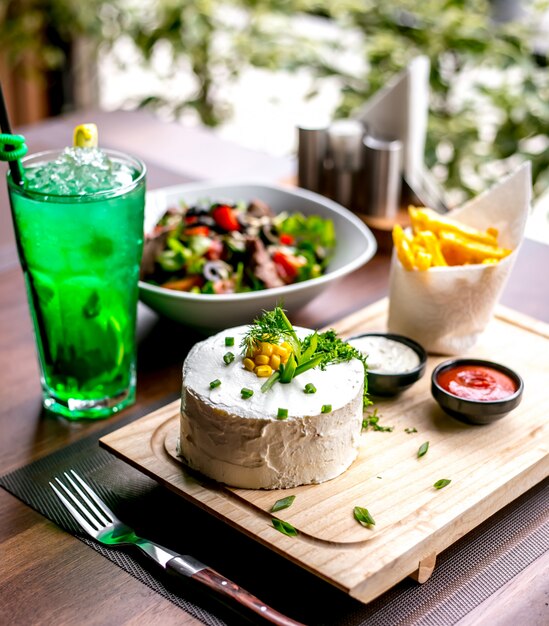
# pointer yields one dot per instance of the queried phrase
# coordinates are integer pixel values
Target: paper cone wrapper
(446, 309)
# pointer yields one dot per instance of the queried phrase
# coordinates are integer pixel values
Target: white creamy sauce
(386, 356)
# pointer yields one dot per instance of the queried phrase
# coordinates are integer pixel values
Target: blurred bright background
(251, 69)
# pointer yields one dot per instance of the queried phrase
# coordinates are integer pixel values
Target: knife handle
(226, 587)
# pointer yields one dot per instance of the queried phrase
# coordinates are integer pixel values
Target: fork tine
(76, 515)
(95, 497)
(93, 509)
(90, 514)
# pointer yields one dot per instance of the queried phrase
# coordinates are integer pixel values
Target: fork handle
(226, 587)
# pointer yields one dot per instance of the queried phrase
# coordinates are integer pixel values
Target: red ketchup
(477, 382)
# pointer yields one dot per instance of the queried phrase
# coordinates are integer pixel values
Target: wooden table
(47, 576)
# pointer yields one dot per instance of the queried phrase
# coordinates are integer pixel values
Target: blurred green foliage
(41, 29)
(489, 106)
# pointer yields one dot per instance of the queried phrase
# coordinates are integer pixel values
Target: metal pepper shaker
(345, 151)
(381, 180)
(311, 154)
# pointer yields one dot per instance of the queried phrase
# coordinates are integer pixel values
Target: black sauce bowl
(380, 384)
(475, 411)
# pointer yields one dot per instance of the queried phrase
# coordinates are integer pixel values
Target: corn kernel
(261, 359)
(248, 364)
(284, 355)
(275, 361)
(266, 348)
(286, 345)
(263, 371)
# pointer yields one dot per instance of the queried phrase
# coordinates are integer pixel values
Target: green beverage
(78, 220)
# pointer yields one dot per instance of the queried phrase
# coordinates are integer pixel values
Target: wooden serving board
(489, 466)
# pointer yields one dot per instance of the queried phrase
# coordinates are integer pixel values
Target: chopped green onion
(288, 371)
(246, 393)
(282, 504)
(282, 414)
(309, 388)
(303, 367)
(284, 527)
(215, 383)
(308, 354)
(270, 381)
(363, 516)
(423, 449)
(229, 341)
(443, 482)
(409, 431)
(372, 421)
(292, 338)
(228, 357)
(326, 408)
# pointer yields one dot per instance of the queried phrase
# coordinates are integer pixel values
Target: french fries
(438, 241)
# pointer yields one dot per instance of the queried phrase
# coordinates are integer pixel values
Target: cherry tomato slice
(225, 217)
(286, 239)
(287, 265)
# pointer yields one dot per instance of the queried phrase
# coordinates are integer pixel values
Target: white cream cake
(242, 443)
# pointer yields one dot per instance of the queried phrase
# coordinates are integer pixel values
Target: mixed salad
(218, 247)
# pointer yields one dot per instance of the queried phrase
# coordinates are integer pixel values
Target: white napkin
(400, 111)
(447, 308)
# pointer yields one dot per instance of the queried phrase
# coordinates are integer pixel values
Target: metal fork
(97, 519)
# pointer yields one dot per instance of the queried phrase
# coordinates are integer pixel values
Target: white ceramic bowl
(355, 245)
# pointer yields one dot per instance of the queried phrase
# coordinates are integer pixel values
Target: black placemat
(466, 574)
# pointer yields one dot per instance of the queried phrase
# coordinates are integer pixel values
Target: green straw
(16, 168)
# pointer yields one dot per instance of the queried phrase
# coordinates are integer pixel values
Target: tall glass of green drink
(78, 218)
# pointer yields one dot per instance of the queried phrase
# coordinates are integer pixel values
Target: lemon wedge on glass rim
(85, 136)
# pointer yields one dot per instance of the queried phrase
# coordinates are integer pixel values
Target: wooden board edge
(526, 322)
(380, 307)
(372, 587)
(350, 322)
(106, 440)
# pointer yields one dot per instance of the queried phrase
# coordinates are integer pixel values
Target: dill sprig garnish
(332, 349)
(271, 327)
